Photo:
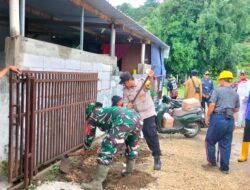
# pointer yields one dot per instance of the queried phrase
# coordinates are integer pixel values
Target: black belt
(224, 114)
(219, 112)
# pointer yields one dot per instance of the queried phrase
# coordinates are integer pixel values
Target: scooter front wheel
(192, 129)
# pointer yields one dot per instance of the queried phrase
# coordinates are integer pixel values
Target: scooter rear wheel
(192, 129)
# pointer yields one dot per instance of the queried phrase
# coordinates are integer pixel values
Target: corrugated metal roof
(118, 16)
(68, 11)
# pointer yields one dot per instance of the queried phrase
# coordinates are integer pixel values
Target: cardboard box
(190, 103)
(168, 120)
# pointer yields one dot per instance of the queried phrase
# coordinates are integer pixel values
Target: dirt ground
(83, 167)
(182, 159)
(181, 168)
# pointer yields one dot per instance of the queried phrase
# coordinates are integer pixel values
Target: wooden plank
(108, 19)
(92, 10)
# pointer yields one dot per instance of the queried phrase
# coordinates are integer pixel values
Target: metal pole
(82, 31)
(112, 43)
(22, 17)
(143, 53)
(14, 18)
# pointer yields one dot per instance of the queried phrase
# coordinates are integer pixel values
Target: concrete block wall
(4, 114)
(4, 99)
(30, 54)
(37, 55)
(44, 63)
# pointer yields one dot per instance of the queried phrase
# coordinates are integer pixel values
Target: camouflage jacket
(108, 118)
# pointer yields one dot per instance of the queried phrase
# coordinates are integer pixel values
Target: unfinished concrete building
(51, 38)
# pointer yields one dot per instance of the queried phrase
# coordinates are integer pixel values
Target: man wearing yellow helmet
(224, 102)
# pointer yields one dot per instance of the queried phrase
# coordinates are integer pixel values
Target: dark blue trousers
(220, 130)
(151, 136)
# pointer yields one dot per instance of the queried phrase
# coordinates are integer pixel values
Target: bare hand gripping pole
(152, 68)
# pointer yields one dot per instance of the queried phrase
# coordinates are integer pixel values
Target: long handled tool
(218, 154)
(65, 164)
(138, 92)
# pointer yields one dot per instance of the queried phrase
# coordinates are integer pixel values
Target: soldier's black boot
(99, 176)
(157, 163)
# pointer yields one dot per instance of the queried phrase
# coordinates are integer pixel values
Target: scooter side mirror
(166, 99)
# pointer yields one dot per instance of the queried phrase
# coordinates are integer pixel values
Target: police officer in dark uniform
(144, 105)
(207, 89)
(224, 102)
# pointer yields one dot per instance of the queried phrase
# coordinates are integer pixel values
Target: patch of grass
(51, 176)
(181, 91)
(53, 172)
(31, 187)
(55, 169)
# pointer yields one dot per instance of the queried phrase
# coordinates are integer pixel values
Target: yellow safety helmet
(225, 75)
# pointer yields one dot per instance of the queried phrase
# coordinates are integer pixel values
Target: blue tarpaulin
(157, 57)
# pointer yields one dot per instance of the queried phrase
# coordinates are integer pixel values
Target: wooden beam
(62, 22)
(92, 10)
(90, 31)
(34, 11)
(37, 12)
(83, 4)
(98, 13)
(132, 33)
(43, 30)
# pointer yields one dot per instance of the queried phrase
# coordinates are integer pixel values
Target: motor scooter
(187, 123)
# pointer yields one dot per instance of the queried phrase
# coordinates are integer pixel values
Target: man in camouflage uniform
(122, 126)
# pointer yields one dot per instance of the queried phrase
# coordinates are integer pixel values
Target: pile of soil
(82, 168)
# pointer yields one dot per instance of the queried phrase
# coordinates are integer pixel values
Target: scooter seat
(180, 112)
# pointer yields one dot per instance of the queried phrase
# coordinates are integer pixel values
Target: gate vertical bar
(22, 118)
(27, 131)
(10, 159)
(32, 127)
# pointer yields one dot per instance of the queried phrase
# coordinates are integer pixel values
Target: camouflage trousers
(115, 140)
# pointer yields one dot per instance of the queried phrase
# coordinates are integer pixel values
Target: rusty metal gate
(46, 120)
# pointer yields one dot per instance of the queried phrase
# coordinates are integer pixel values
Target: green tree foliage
(245, 57)
(245, 54)
(246, 33)
(203, 34)
(179, 19)
(140, 13)
(219, 27)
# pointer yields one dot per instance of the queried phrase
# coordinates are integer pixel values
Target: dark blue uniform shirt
(207, 86)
